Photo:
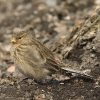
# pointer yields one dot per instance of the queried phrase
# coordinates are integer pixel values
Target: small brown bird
(35, 60)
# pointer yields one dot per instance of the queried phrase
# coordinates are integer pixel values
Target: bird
(35, 60)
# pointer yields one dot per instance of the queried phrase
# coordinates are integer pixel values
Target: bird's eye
(19, 37)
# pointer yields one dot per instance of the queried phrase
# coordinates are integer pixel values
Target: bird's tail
(69, 72)
(80, 73)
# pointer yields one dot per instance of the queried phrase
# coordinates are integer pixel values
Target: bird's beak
(13, 40)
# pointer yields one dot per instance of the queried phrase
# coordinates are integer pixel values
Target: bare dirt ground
(49, 21)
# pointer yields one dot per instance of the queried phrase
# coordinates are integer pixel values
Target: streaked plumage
(34, 59)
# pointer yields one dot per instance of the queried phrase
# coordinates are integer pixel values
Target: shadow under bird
(35, 60)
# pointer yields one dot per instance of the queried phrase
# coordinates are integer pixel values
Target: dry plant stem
(79, 34)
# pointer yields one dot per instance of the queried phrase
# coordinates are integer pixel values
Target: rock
(11, 69)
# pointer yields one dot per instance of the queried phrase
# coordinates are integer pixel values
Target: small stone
(40, 97)
(92, 55)
(11, 69)
(67, 18)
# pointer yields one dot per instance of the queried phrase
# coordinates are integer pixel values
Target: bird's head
(21, 38)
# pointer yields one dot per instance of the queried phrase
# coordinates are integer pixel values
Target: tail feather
(82, 73)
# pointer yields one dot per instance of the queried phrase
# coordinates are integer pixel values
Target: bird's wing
(38, 54)
(41, 55)
(44, 50)
(34, 56)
